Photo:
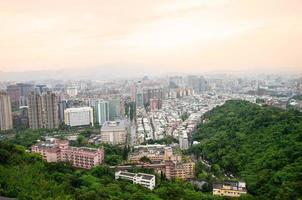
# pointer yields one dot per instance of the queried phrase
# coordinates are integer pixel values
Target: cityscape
(151, 100)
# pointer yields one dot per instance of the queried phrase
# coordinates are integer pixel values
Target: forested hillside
(262, 145)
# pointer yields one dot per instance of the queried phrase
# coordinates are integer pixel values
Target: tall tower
(43, 110)
(6, 121)
(34, 102)
(102, 111)
(50, 110)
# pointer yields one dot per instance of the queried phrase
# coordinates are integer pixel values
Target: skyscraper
(43, 110)
(6, 122)
(50, 110)
(102, 111)
(34, 102)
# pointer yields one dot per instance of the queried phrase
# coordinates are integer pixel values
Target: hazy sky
(160, 35)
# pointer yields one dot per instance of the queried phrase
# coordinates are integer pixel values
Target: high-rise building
(35, 109)
(139, 100)
(116, 108)
(183, 140)
(18, 93)
(82, 116)
(43, 110)
(6, 122)
(102, 111)
(62, 108)
(197, 83)
(50, 110)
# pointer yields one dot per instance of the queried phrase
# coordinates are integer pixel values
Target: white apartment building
(82, 116)
(146, 180)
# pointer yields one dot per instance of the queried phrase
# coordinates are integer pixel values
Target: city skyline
(157, 36)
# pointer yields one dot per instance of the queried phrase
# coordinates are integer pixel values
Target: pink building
(59, 150)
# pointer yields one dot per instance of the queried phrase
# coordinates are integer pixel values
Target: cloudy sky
(155, 35)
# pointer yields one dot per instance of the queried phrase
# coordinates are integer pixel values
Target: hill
(262, 145)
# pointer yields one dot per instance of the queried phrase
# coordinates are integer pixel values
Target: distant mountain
(262, 145)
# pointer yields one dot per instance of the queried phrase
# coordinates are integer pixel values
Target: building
(6, 122)
(197, 83)
(72, 91)
(35, 110)
(43, 110)
(82, 116)
(20, 117)
(116, 108)
(62, 107)
(178, 169)
(102, 111)
(50, 110)
(229, 188)
(54, 150)
(114, 132)
(183, 140)
(139, 100)
(154, 152)
(146, 180)
(18, 93)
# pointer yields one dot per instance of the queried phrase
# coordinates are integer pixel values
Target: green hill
(262, 145)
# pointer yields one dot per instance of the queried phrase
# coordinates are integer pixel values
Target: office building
(146, 180)
(229, 189)
(62, 107)
(102, 111)
(116, 108)
(6, 122)
(114, 132)
(54, 150)
(82, 116)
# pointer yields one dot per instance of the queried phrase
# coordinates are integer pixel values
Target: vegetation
(26, 176)
(262, 145)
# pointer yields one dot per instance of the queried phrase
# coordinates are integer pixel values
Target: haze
(152, 35)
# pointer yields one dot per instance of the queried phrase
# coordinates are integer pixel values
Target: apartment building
(6, 122)
(54, 150)
(178, 169)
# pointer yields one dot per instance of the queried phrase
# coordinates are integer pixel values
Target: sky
(152, 35)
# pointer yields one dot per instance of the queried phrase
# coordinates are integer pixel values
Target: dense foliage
(26, 176)
(262, 145)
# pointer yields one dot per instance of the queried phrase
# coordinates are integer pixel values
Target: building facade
(146, 180)
(230, 189)
(82, 116)
(102, 111)
(43, 110)
(59, 150)
(6, 122)
(114, 132)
